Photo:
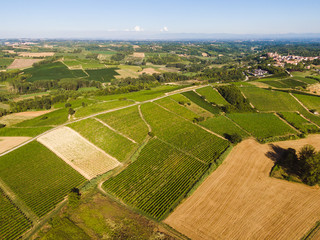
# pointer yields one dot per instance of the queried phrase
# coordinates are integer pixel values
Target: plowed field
(240, 201)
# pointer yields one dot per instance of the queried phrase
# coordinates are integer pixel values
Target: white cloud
(164, 29)
(138, 29)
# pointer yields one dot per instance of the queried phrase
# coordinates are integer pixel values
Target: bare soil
(138, 55)
(38, 54)
(240, 201)
(23, 63)
(15, 118)
(6, 143)
(78, 152)
(149, 71)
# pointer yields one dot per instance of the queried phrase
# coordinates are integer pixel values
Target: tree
(71, 111)
(67, 105)
(74, 197)
(310, 162)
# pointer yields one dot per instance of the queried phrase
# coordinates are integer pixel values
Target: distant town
(290, 59)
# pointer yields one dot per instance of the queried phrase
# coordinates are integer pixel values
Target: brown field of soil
(149, 71)
(38, 54)
(23, 63)
(78, 152)
(6, 143)
(15, 118)
(240, 201)
(138, 55)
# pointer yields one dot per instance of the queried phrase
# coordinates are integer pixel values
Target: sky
(83, 18)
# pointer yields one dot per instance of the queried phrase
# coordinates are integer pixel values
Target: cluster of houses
(259, 73)
(292, 59)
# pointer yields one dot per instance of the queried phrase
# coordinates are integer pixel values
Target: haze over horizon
(167, 19)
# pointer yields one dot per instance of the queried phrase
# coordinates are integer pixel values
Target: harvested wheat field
(36, 54)
(15, 118)
(23, 63)
(240, 201)
(6, 143)
(78, 152)
(138, 55)
(149, 71)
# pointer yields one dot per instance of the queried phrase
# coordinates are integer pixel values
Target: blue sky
(198, 16)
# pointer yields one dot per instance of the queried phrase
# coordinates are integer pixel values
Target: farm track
(97, 114)
(240, 201)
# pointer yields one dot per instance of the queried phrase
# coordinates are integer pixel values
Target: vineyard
(194, 97)
(102, 75)
(262, 125)
(128, 122)
(177, 108)
(38, 177)
(109, 141)
(212, 95)
(299, 122)
(183, 134)
(311, 102)
(223, 126)
(157, 180)
(99, 107)
(12, 221)
(267, 100)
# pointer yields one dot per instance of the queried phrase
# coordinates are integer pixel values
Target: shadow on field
(286, 159)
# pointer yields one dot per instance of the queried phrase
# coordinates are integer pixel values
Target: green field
(223, 126)
(12, 221)
(311, 102)
(104, 138)
(194, 97)
(52, 71)
(100, 107)
(84, 63)
(142, 95)
(102, 75)
(5, 62)
(183, 134)
(38, 177)
(157, 180)
(54, 118)
(262, 125)
(299, 122)
(177, 108)
(24, 132)
(128, 122)
(267, 100)
(212, 95)
(275, 83)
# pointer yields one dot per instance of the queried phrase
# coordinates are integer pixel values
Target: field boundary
(112, 129)
(277, 115)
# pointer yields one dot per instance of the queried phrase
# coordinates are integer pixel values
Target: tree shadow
(287, 159)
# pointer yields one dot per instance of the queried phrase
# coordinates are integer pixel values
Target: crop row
(299, 122)
(157, 180)
(128, 122)
(177, 108)
(183, 134)
(13, 222)
(212, 95)
(262, 125)
(38, 176)
(194, 97)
